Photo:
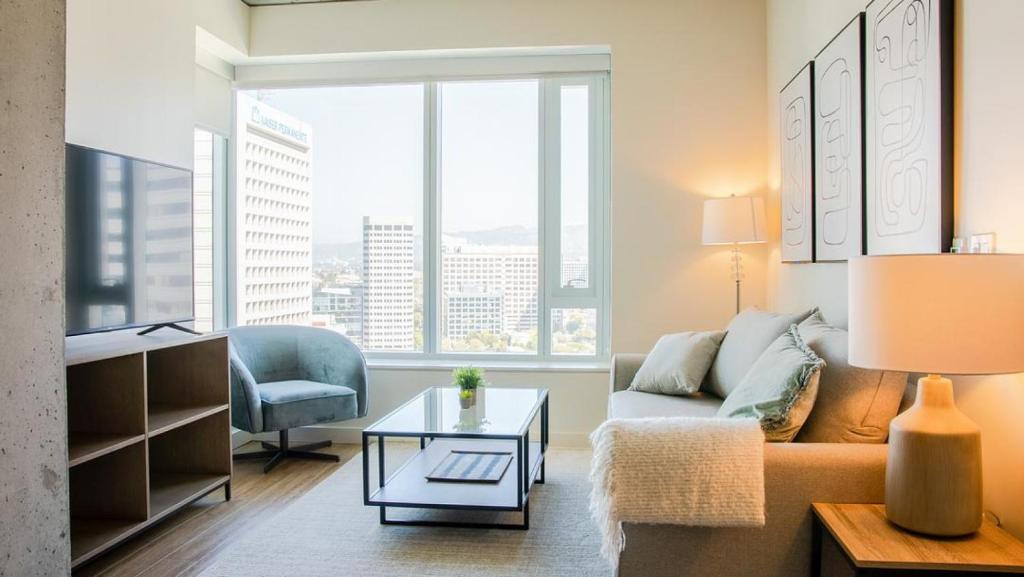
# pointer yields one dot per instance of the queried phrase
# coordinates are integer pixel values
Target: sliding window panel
(575, 134)
(363, 161)
(488, 193)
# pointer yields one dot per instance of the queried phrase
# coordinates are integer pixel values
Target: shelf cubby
(109, 499)
(185, 384)
(189, 461)
(106, 402)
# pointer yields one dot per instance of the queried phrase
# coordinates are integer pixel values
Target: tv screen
(128, 250)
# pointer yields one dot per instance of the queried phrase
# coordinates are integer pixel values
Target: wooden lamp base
(933, 477)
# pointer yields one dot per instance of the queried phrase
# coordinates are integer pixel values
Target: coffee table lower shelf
(408, 487)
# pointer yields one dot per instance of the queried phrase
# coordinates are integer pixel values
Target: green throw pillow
(779, 389)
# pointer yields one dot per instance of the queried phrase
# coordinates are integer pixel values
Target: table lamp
(734, 220)
(936, 314)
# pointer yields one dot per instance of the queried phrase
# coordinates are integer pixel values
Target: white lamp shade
(938, 313)
(737, 219)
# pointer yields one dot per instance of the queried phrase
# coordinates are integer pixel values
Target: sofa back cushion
(747, 336)
(854, 405)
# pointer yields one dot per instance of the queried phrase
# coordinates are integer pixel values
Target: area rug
(329, 532)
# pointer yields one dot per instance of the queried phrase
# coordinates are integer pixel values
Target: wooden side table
(871, 546)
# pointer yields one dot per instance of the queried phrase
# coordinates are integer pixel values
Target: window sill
(596, 366)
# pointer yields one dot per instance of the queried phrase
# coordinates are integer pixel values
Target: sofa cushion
(290, 404)
(678, 363)
(637, 405)
(779, 390)
(854, 405)
(747, 336)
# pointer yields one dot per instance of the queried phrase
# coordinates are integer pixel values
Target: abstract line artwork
(908, 126)
(839, 158)
(796, 102)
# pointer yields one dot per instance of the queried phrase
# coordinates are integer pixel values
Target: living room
(561, 234)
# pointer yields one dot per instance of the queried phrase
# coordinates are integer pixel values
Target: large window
(209, 185)
(448, 218)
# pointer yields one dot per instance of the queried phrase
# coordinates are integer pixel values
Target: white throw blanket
(678, 471)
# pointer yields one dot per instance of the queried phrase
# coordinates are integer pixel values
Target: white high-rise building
(510, 271)
(388, 297)
(275, 231)
(472, 311)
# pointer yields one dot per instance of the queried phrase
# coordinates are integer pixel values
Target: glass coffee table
(499, 422)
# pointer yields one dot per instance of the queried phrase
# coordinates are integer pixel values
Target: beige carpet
(328, 532)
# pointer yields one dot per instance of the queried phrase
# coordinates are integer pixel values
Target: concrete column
(33, 417)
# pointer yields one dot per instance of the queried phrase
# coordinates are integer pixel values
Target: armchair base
(276, 453)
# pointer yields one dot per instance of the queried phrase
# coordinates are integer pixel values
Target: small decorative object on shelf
(468, 379)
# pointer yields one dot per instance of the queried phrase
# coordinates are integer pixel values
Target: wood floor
(189, 542)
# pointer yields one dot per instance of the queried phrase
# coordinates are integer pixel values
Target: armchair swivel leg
(275, 453)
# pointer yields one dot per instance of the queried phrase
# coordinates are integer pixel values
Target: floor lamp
(734, 221)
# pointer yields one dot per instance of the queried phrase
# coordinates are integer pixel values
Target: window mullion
(431, 220)
(549, 237)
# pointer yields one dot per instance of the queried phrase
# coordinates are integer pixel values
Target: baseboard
(354, 435)
(239, 438)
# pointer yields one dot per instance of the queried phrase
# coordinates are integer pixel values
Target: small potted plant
(468, 379)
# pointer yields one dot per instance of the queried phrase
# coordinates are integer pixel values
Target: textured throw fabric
(854, 405)
(747, 336)
(675, 471)
(780, 389)
(677, 363)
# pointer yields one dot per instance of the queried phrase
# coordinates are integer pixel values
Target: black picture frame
(796, 142)
(909, 126)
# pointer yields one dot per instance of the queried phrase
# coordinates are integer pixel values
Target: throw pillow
(678, 363)
(854, 405)
(780, 388)
(747, 336)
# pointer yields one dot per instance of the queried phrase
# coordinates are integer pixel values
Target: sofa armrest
(796, 475)
(624, 368)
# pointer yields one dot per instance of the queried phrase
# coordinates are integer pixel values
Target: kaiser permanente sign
(274, 122)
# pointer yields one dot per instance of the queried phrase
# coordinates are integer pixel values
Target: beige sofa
(796, 475)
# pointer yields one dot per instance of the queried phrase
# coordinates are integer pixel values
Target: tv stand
(174, 326)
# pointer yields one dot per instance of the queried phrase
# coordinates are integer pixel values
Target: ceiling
(286, 2)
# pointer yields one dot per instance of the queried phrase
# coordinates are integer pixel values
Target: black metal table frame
(524, 472)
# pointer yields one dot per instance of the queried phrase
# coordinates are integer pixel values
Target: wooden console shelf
(149, 431)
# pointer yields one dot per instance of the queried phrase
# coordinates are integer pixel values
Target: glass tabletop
(438, 410)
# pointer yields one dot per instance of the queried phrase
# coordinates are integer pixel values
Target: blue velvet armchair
(283, 377)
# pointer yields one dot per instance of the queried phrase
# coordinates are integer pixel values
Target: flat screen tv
(128, 249)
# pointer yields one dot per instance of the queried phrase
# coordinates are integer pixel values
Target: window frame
(222, 191)
(549, 294)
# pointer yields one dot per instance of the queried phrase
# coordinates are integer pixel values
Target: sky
(368, 154)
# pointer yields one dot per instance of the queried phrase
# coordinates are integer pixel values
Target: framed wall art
(909, 126)
(839, 145)
(796, 129)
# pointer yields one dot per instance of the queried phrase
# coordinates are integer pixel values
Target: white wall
(989, 119)
(131, 72)
(687, 122)
(33, 417)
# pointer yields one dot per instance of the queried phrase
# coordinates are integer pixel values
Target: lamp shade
(737, 219)
(938, 313)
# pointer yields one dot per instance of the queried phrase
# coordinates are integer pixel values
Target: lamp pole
(737, 272)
